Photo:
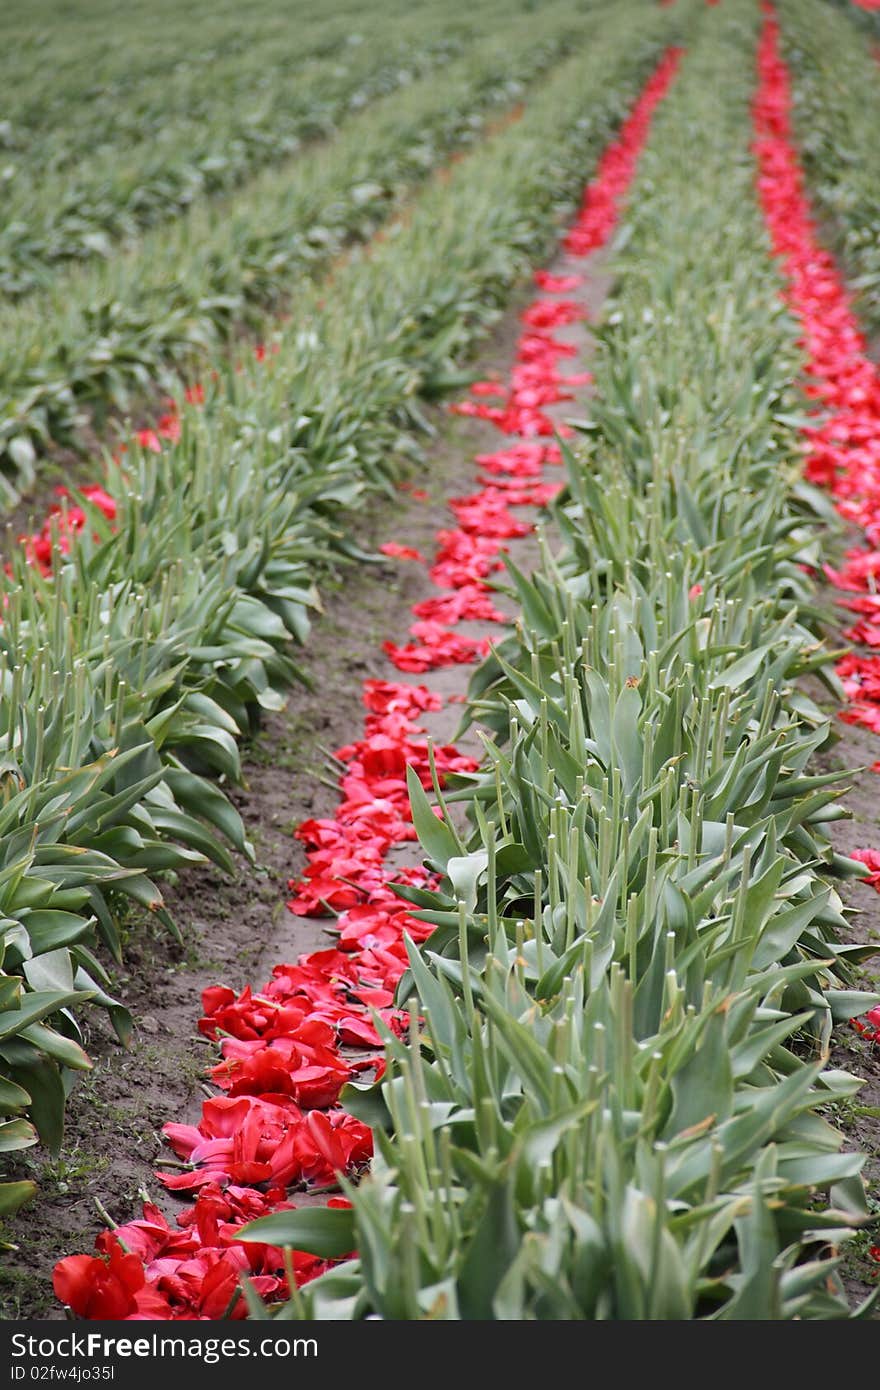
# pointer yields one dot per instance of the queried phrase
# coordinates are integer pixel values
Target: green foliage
(128, 154)
(97, 336)
(867, 21)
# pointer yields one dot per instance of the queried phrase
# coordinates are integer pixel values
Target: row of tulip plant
(860, 13)
(153, 618)
(146, 58)
(109, 169)
(101, 334)
(864, 13)
(611, 1099)
(75, 190)
(836, 123)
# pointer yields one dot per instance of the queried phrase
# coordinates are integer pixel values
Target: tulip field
(440, 660)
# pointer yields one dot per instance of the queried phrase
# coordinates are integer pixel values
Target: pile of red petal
(536, 381)
(149, 1270)
(844, 444)
(436, 647)
(63, 523)
(604, 197)
(286, 1051)
(65, 520)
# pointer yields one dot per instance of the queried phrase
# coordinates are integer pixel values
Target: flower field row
(614, 1106)
(866, 7)
(101, 333)
(160, 621)
(73, 190)
(72, 204)
(860, 12)
(95, 79)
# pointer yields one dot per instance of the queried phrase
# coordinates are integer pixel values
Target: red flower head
(110, 1289)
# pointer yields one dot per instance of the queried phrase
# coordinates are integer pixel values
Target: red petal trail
(843, 446)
